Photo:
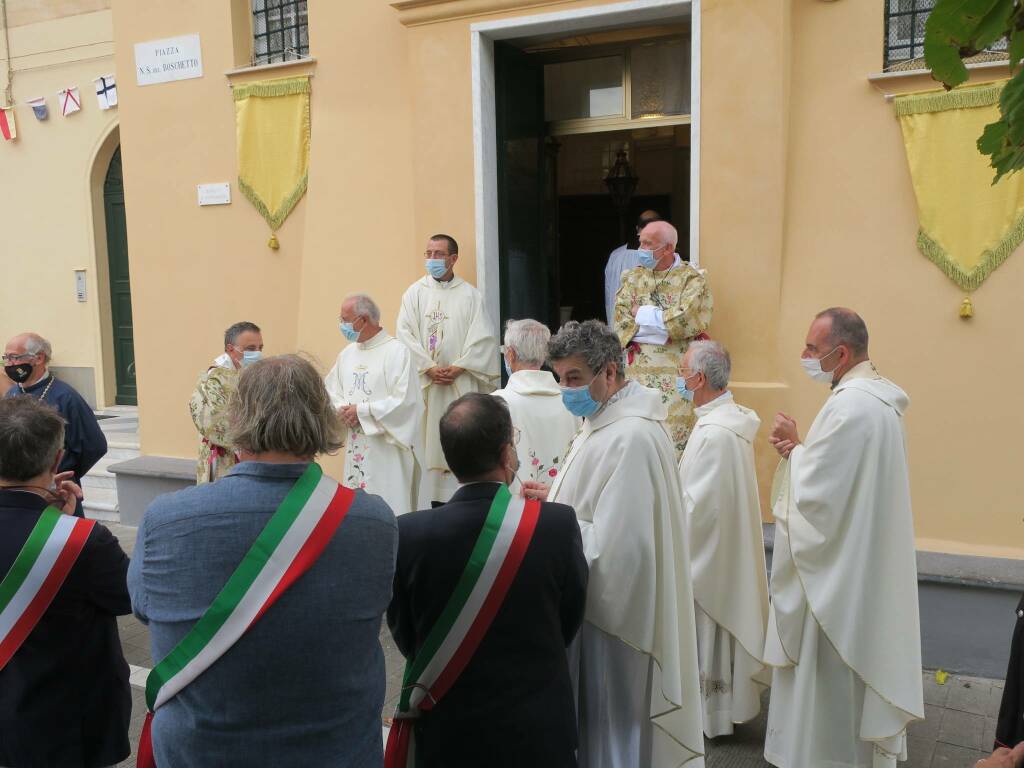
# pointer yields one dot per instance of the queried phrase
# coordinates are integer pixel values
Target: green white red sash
(294, 537)
(457, 633)
(38, 571)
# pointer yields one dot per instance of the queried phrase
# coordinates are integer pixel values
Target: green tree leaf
(958, 28)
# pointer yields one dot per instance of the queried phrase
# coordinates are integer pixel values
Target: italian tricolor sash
(38, 571)
(456, 635)
(294, 537)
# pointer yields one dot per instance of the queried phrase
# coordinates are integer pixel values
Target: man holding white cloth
(723, 519)
(844, 629)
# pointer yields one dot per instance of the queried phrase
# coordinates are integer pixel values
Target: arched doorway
(120, 286)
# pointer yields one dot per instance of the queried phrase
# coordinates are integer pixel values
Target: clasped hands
(444, 375)
(784, 436)
(349, 414)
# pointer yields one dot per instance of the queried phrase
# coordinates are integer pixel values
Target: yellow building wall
(805, 202)
(48, 212)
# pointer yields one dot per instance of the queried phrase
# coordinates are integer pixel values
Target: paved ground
(958, 729)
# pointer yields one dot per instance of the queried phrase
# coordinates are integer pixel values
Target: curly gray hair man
(587, 358)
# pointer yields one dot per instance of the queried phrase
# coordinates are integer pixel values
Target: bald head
(27, 355)
(661, 233)
(30, 344)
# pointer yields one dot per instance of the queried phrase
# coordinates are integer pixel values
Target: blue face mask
(686, 394)
(579, 402)
(647, 260)
(508, 368)
(250, 356)
(436, 268)
(348, 331)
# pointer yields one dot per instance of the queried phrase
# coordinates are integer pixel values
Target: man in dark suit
(512, 705)
(64, 694)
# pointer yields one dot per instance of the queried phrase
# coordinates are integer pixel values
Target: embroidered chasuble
(639, 684)
(546, 429)
(730, 584)
(843, 629)
(677, 305)
(445, 324)
(381, 453)
(209, 409)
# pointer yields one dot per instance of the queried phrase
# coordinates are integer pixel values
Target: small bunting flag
(7, 127)
(106, 91)
(70, 101)
(39, 107)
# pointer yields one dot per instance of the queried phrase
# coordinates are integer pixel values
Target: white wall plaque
(163, 61)
(214, 194)
(80, 293)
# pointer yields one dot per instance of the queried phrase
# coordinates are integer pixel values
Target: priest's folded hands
(784, 436)
(533, 489)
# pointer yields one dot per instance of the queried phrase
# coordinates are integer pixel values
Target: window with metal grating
(280, 30)
(904, 35)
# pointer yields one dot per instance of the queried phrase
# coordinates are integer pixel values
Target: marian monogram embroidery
(359, 382)
(435, 329)
(711, 687)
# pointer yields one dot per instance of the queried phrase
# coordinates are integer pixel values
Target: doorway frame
(485, 161)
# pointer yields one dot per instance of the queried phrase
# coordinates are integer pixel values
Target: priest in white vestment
(544, 429)
(723, 520)
(636, 655)
(843, 630)
(376, 391)
(454, 351)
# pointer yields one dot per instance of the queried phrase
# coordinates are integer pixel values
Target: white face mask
(812, 367)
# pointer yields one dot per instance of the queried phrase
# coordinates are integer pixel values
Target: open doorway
(567, 110)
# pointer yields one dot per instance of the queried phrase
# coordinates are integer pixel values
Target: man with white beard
(639, 690)
(844, 629)
(723, 520)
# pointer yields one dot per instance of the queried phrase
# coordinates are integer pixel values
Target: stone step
(97, 480)
(121, 451)
(101, 504)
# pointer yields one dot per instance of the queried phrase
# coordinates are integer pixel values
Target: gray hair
(231, 334)
(592, 340)
(364, 306)
(711, 359)
(282, 405)
(529, 340)
(36, 344)
(847, 328)
(31, 434)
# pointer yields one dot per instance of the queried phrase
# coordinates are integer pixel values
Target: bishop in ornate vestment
(843, 630)
(454, 351)
(723, 519)
(243, 344)
(661, 306)
(376, 391)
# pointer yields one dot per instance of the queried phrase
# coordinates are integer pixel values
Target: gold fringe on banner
(272, 126)
(968, 226)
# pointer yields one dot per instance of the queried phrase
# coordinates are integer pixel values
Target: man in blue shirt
(26, 362)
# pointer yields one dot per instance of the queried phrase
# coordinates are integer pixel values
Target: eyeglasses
(15, 358)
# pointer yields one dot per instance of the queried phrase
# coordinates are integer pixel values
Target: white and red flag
(7, 128)
(70, 101)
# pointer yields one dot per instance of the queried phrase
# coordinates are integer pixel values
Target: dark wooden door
(527, 194)
(120, 286)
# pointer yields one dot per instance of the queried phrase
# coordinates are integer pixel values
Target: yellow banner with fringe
(272, 125)
(968, 226)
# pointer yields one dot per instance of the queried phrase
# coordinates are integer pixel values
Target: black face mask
(19, 373)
